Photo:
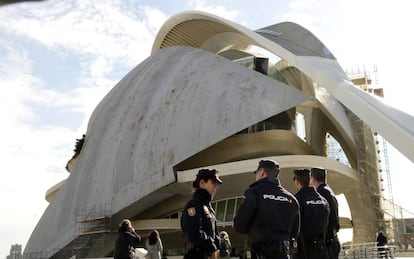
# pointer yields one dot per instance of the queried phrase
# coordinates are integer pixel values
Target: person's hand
(214, 255)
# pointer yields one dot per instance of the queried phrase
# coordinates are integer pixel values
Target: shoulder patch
(191, 211)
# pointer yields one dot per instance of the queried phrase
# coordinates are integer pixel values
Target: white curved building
(192, 104)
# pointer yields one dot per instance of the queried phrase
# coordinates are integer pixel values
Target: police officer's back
(268, 214)
(198, 221)
(314, 216)
(318, 180)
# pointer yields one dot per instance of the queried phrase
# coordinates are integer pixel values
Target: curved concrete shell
(187, 107)
(300, 49)
(138, 134)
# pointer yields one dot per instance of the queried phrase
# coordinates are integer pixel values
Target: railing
(366, 251)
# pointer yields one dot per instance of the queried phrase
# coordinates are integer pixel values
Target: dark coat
(198, 222)
(332, 241)
(126, 240)
(328, 194)
(314, 215)
(268, 213)
(381, 240)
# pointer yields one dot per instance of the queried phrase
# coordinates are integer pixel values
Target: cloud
(96, 28)
(33, 158)
(14, 66)
(107, 40)
(362, 35)
(218, 10)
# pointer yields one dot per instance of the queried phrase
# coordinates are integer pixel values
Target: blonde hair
(224, 233)
(125, 224)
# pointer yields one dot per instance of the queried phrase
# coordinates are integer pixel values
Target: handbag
(131, 251)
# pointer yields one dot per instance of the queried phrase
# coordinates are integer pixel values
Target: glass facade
(335, 151)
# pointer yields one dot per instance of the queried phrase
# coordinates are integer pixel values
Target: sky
(58, 59)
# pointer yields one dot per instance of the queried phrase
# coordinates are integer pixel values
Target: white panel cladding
(173, 105)
(394, 125)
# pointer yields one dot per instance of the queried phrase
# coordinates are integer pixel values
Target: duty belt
(316, 244)
(272, 248)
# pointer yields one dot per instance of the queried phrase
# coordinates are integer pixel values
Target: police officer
(268, 214)
(318, 180)
(314, 216)
(198, 221)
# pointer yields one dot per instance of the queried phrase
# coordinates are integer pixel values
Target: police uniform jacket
(314, 213)
(198, 222)
(268, 213)
(328, 194)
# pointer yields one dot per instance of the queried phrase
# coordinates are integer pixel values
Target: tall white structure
(15, 252)
(192, 104)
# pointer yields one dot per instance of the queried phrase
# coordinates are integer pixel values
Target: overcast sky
(59, 58)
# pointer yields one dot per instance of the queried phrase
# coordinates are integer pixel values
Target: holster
(331, 237)
(332, 244)
(318, 244)
(294, 246)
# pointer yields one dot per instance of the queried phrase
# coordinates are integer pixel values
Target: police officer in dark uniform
(198, 221)
(268, 214)
(314, 216)
(318, 180)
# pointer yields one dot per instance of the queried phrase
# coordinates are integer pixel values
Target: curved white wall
(173, 105)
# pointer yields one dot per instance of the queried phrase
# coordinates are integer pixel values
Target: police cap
(208, 174)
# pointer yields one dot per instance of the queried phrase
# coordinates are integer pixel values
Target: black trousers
(271, 250)
(259, 256)
(312, 254)
(334, 248)
(196, 253)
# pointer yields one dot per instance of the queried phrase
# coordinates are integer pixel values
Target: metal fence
(367, 251)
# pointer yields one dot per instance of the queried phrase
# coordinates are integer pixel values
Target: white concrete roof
(182, 100)
(300, 49)
(171, 106)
